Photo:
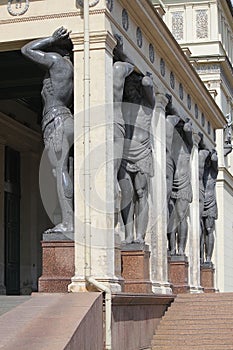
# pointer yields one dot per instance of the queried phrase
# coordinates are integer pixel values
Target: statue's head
(170, 109)
(133, 88)
(63, 48)
(201, 144)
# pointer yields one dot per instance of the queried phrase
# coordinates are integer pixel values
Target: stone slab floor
(8, 302)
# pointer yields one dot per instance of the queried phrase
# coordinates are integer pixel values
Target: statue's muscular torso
(58, 84)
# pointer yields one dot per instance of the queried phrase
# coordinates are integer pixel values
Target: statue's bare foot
(60, 228)
(180, 251)
(173, 252)
(139, 239)
(128, 240)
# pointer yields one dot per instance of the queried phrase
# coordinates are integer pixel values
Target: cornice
(143, 13)
(50, 16)
(98, 40)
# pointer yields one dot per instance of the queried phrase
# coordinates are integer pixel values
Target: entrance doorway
(12, 221)
(22, 215)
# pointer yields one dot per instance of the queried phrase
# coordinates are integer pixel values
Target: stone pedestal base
(178, 273)
(135, 268)
(207, 277)
(57, 264)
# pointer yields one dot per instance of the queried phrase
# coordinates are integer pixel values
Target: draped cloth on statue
(182, 188)
(137, 156)
(210, 207)
(53, 126)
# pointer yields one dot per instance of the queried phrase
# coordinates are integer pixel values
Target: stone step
(197, 322)
(193, 347)
(195, 337)
(194, 330)
(190, 320)
(195, 308)
(201, 302)
(188, 341)
(203, 296)
(215, 327)
(183, 303)
(198, 317)
(200, 313)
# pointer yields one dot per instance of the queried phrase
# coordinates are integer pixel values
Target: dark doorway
(12, 221)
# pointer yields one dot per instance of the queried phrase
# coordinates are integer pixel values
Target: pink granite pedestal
(135, 268)
(57, 265)
(178, 273)
(207, 277)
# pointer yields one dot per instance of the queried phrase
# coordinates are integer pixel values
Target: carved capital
(98, 40)
(196, 139)
(161, 100)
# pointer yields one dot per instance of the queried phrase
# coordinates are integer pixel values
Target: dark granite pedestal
(135, 260)
(57, 262)
(207, 277)
(178, 273)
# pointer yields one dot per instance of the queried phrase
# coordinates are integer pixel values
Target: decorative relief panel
(209, 128)
(189, 101)
(201, 24)
(151, 53)
(178, 25)
(125, 19)
(172, 80)
(17, 7)
(196, 111)
(162, 67)
(208, 68)
(181, 91)
(139, 37)
(202, 120)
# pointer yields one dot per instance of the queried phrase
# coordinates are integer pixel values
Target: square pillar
(97, 249)
(194, 234)
(159, 267)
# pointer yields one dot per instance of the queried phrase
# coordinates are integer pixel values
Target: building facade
(205, 30)
(153, 49)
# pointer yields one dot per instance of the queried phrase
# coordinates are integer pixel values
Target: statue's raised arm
(148, 90)
(43, 52)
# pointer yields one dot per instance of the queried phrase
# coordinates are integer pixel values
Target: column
(2, 231)
(220, 147)
(194, 234)
(159, 268)
(98, 254)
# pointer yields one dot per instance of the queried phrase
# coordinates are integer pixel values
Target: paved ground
(9, 302)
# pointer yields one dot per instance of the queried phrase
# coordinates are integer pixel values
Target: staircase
(197, 322)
